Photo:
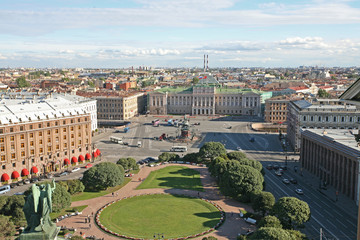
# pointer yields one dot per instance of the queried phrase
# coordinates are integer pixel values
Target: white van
(139, 144)
(4, 189)
(250, 220)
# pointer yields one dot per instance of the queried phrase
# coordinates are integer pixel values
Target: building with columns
(204, 99)
(333, 156)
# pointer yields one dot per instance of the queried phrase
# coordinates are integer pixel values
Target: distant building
(276, 109)
(205, 99)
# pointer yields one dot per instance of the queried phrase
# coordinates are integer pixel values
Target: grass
(88, 195)
(55, 215)
(179, 177)
(172, 216)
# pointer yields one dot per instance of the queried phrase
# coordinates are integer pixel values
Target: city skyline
(110, 34)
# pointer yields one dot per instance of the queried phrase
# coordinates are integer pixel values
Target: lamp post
(159, 235)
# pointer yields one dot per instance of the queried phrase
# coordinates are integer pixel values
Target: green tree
(192, 157)
(252, 163)
(297, 235)
(166, 157)
(60, 198)
(7, 228)
(236, 155)
(22, 83)
(91, 83)
(263, 202)
(217, 167)
(323, 93)
(292, 212)
(128, 163)
(75, 186)
(212, 150)
(270, 221)
(240, 181)
(103, 175)
(13, 208)
(195, 80)
(270, 233)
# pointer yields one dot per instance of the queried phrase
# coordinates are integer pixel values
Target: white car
(299, 191)
(75, 169)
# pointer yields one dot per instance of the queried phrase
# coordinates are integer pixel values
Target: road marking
(343, 234)
(318, 213)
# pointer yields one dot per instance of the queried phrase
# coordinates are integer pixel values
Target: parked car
(20, 183)
(284, 167)
(278, 173)
(34, 180)
(63, 174)
(270, 166)
(276, 166)
(299, 191)
(26, 181)
(149, 159)
(89, 165)
(49, 175)
(293, 180)
(75, 169)
(141, 162)
(14, 184)
(252, 139)
(286, 181)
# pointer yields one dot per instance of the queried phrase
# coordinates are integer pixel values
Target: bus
(4, 189)
(116, 140)
(178, 149)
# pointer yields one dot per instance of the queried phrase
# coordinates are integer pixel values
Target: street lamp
(160, 235)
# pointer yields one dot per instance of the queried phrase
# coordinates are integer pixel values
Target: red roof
(87, 156)
(24, 172)
(34, 170)
(95, 154)
(15, 175)
(81, 158)
(98, 151)
(74, 160)
(66, 161)
(5, 177)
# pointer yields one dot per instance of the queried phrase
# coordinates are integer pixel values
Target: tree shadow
(181, 183)
(214, 218)
(185, 172)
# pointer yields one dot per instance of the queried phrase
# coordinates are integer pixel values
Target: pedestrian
(86, 220)
(89, 225)
(117, 194)
(198, 194)
(89, 219)
(92, 214)
(112, 194)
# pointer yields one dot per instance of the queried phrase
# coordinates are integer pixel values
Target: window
(31, 135)
(12, 138)
(14, 164)
(319, 119)
(40, 134)
(72, 144)
(64, 137)
(71, 128)
(23, 154)
(57, 147)
(31, 126)
(48, 124)
(13, 155)
(22, 136)
(31, 143)
(72, 135)
(1, 130)
(1, 140)
(49, 140)
(21, 128)
(342, 119)
(304, 118)
(32, 151)
(2, 148)
(79, 142)
(64, 129)
(334, 119)
(65, 146)
(39, 125)
(41, 150)
(11, 129)
(48, 132)
(49, 148)
(40, 141)
(22, 145)
(350, 119)
(56, 130)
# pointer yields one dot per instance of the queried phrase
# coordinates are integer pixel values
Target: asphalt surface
(337, 219)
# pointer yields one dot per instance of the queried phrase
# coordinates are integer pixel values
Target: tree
(75, 186)
(7, 228)
(292, 212)
(128, 163)
(102, 176)
(263, 202)
(22, 83)
(61, 198)
(270, 221)
(166, 157)
(236, 155)
(77, 238)
(253, 163)
(270, 233)
(297, 234)
(240, 181)
(192, 157)
(195, 80)
(212, 150)
(323, 93)
(13, 208)
(91, 84)
(217, 167)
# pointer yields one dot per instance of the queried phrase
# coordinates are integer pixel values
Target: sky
(177, 33)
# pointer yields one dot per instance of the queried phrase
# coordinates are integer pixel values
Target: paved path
(229, 230)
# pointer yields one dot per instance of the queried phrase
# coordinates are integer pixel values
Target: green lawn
(54, 215)
(89, 195)
(179, 177)
(173, 216)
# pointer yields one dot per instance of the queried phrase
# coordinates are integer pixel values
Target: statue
(37, 208)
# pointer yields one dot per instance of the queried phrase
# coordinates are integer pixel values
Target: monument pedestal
(51, 234)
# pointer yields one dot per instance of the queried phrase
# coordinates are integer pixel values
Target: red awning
(95, 154)
(5, 177)
(24, 172)
(66, 161)
(87, 156)
(15, 175)
(34, 170)
(74, 160)
(81, 158)
(98, 151)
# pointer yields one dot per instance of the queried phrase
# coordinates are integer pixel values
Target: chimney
(207, 62)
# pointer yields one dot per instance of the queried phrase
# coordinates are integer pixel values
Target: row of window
(329, 119)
